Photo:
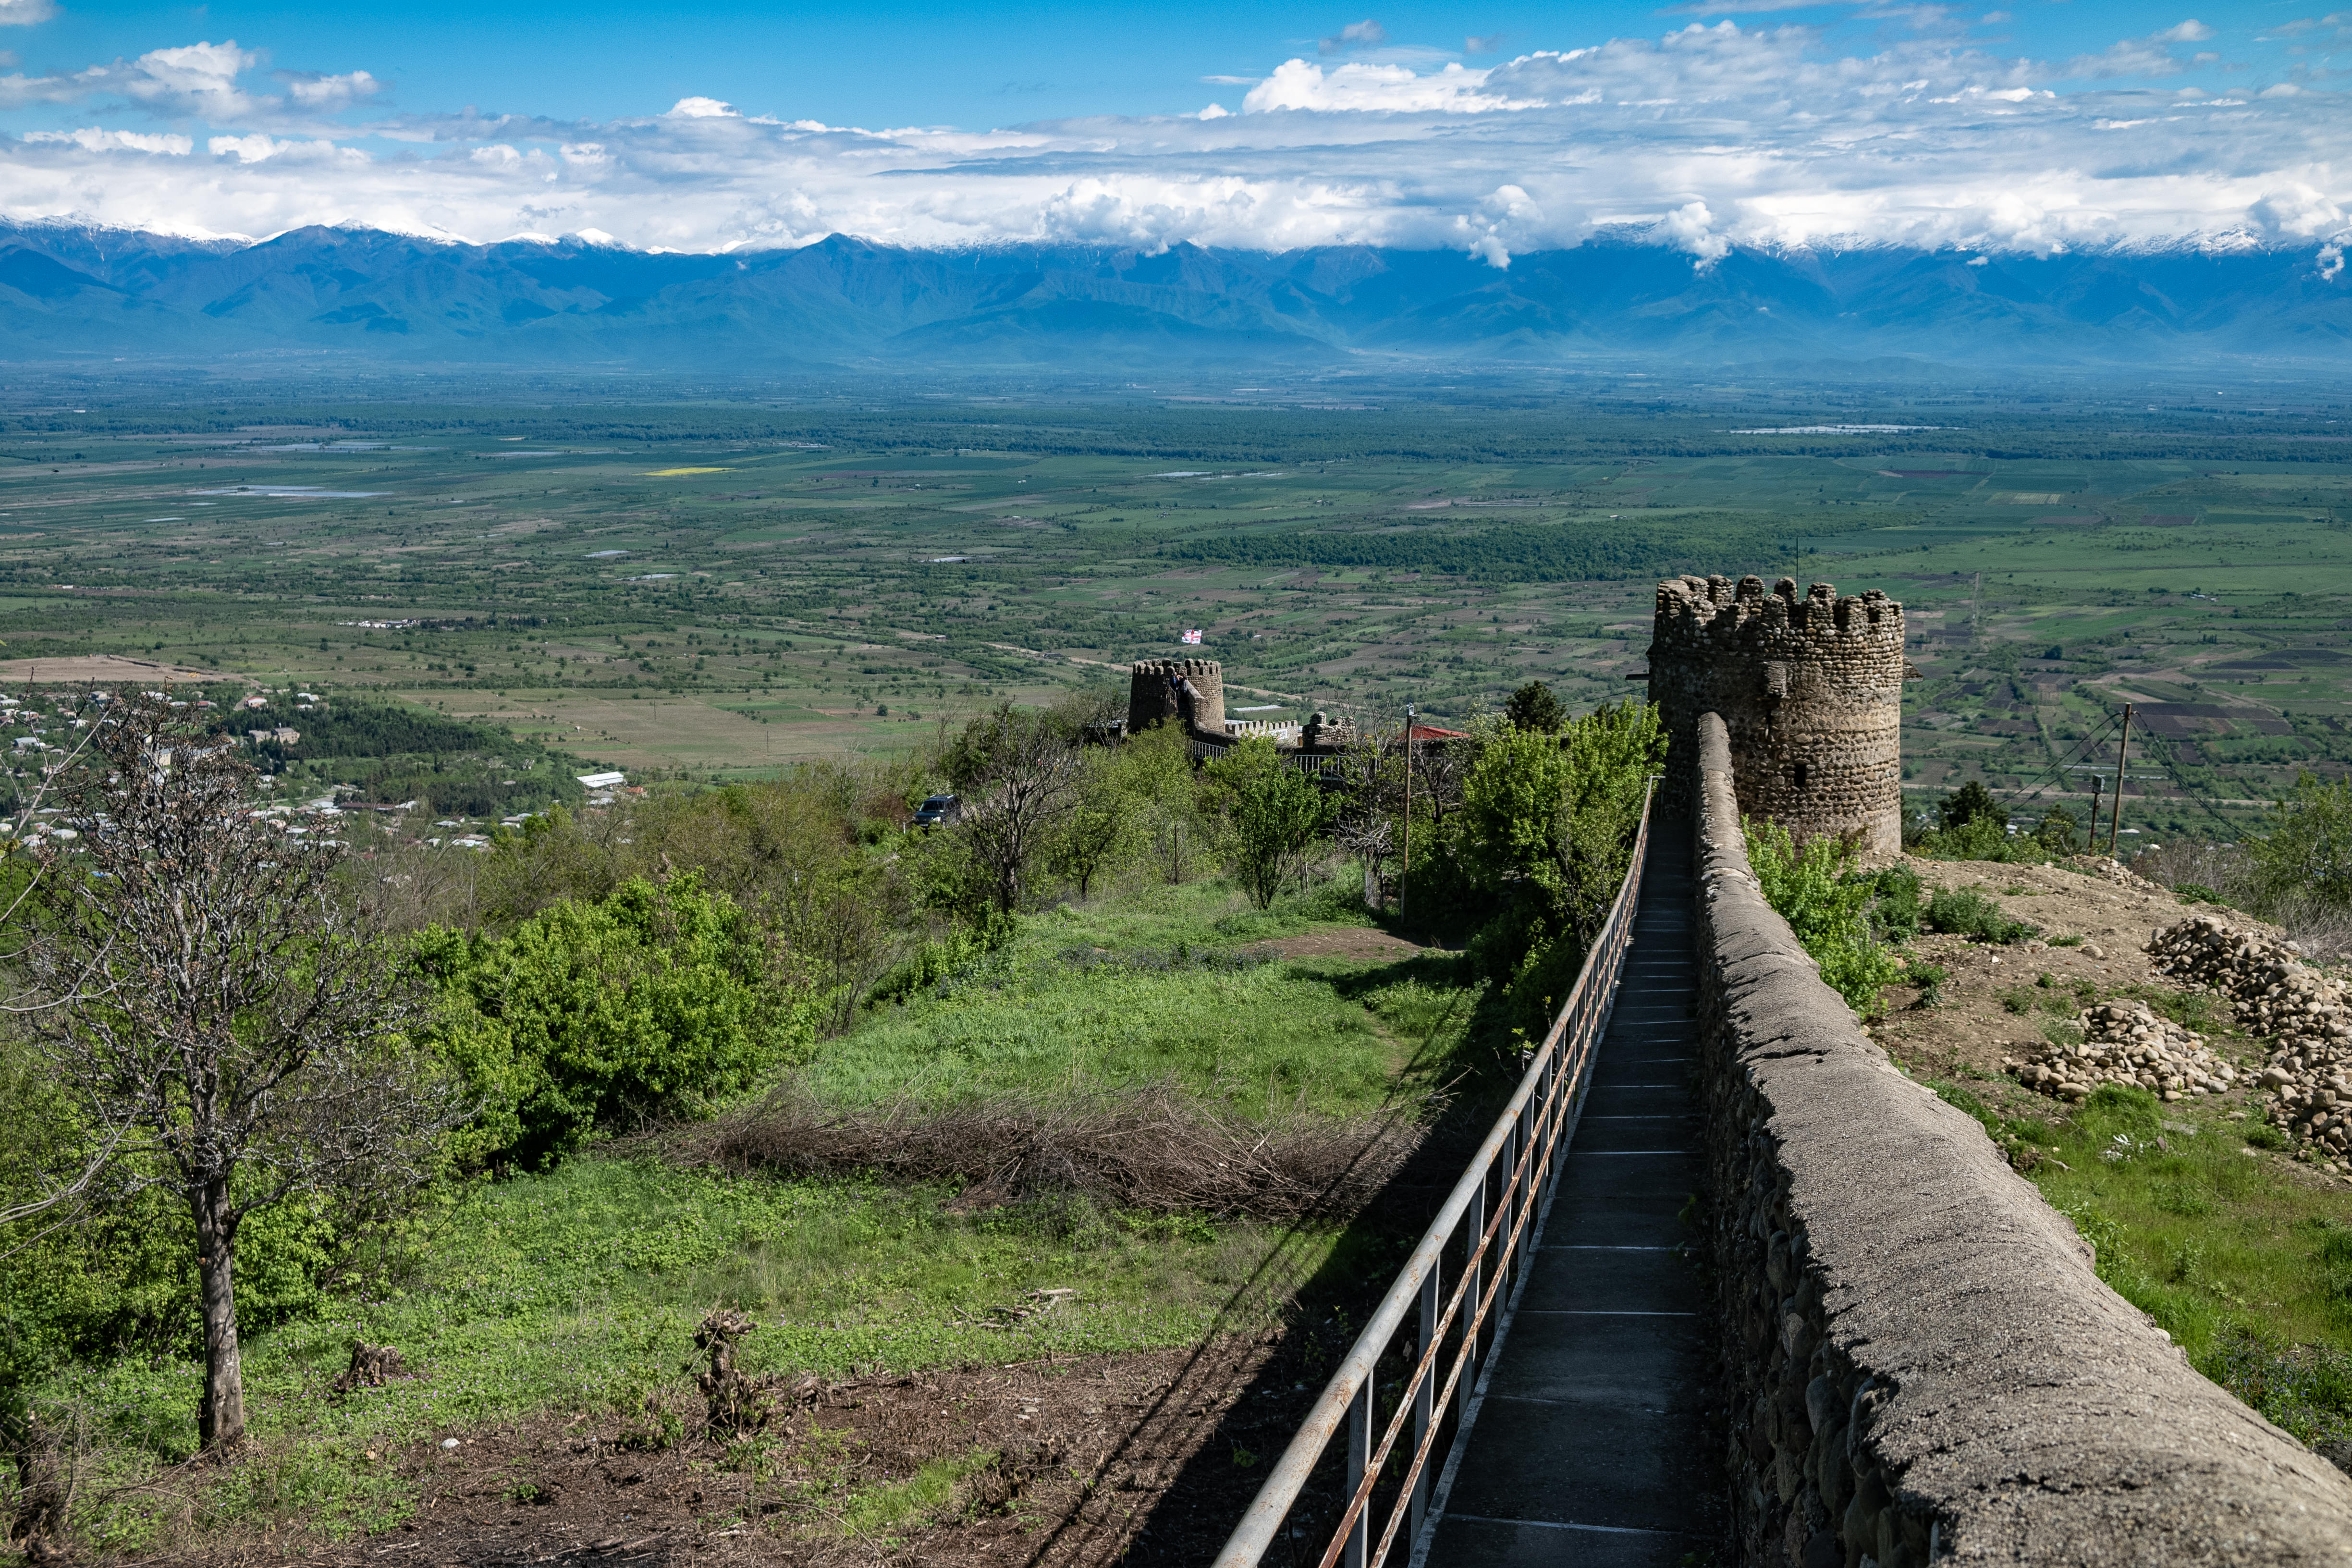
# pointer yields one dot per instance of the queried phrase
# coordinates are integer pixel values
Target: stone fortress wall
(1810, 689)
(1919, 1364)
(1151, 696)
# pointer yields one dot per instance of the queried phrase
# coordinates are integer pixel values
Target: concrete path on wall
(1588, 1445)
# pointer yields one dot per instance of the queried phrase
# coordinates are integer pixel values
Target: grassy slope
(1170, 983)
(579, 1290)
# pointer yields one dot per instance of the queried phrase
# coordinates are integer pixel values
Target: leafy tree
(1545, 831)
(213, 1012)
(2308, 846)
(2056, 831)
(1533, 707)
(1098, 825)
(1018, 773)
(1174, 828)
(655, 1000)
(1554, 814)
(1278, 815)
(1969, 803)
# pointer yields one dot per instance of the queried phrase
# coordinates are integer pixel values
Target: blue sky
(1492, 129)
(963, 65)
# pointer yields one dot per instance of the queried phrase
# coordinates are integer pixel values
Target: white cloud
(199, 81)
(1364, 35)
(1491, 44)
(1357, 87)
(93, 140)
(327, 94)
(1704, 138)
(2150, 56)
(25, 13)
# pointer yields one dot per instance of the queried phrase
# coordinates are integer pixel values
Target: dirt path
(1347, 941)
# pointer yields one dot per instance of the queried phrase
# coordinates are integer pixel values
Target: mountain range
(73, 292)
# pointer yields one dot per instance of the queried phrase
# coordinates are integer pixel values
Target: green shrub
(1969, 803)
(936, 961)
(1827, 908)
(2055, 832)
(655, 1000)
(1895, 909)
(1964, 912)
(1979, 838)
(2308, 847)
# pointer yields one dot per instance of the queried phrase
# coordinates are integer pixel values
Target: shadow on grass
(1226, 1448)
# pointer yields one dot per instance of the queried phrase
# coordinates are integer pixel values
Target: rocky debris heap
(2304, 1013)
(2108, 870)
(2127, 1042)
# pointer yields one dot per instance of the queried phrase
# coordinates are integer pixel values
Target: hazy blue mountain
(71, 292)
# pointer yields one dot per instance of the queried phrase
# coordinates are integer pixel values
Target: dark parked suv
(936, 811)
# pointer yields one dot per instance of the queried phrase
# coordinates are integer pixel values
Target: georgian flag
(1193, 636)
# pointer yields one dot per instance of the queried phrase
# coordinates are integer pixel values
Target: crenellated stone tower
(1810, 690)
(1153, 697)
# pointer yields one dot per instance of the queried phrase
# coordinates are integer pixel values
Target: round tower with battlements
(1189, 690)
(1810, 690)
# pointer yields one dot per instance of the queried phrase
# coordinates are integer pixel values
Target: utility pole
(1404, 855)
(2115, 806)
(2098, 783)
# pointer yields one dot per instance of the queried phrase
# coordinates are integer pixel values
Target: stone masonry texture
(1810, 688)
(1151, 694)
(1920, 1364)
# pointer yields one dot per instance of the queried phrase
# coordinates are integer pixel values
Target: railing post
(1527, 1188)
(1424, 1398)
(1359, 1456)
(1474, 1226)
(1506, 1204)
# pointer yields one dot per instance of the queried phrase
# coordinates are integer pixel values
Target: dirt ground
(1970, 1029)
(1970, 1034)
(1345, 942)
(103, 669)
(1099, 1459)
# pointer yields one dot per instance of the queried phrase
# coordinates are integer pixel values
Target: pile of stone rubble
(2303, 1014)
(2127, 1042)
(2115, 871)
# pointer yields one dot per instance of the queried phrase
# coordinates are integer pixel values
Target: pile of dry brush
(1154, 1149)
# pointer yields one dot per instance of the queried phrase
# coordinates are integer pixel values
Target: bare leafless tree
(1018, 772)
(208, 1000)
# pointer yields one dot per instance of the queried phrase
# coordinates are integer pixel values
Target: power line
(2055, 773)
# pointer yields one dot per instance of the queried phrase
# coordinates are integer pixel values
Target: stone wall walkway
(1588, 1444)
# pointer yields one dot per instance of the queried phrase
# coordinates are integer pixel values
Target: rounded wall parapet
(1810, 687)
(1192, 690)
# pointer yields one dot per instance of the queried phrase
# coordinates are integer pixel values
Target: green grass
(1163, 984)
(579, 1291)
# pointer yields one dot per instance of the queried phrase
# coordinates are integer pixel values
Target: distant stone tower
(1153, 697)
(1811, 689)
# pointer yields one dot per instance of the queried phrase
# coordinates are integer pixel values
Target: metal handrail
(1525, 1139)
